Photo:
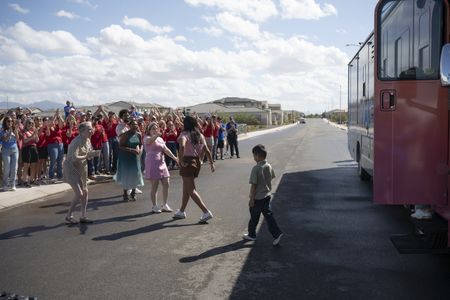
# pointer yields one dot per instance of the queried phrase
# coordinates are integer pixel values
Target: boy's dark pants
(262, 206)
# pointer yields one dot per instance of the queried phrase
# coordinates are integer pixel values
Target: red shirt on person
(99, 137)
(171, 136)
(216, 129)
(208, 130)
(42, 138)
(27, 135)
(68, 139)
(55, 135)
(110, 128)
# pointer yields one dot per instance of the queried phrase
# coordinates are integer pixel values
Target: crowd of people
(34, 148)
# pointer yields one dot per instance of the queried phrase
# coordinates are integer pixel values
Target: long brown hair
(190, 125)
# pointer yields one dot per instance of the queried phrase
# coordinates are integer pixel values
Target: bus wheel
(363, 175)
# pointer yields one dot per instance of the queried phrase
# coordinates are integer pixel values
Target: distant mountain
(47, 105)
(43, 105)
(10, 104)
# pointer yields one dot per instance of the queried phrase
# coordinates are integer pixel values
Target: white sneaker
(206, 216)
(137, 191)
(13, 188)
(277, 240)
(156, 209)
(166, 208)
(422, 214)
(248, 237)
(179, 215)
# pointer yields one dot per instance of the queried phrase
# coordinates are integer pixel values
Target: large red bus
(399, 105)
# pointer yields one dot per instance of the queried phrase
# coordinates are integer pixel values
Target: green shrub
(241, 118)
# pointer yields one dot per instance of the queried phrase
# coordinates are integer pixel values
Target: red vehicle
(399, 106)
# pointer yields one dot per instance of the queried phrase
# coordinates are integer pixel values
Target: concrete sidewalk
(342, 127)
(24, 195)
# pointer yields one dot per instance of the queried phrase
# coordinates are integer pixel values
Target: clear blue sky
(180, 53)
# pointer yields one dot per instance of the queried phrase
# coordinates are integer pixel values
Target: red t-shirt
(55, 135)
(99, 137)
(110, 128)
(26, 135)
(171, 136)
(42, 140)
(68, 139)
(208, 131)
(216, 130)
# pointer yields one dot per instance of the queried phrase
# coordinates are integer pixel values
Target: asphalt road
(336, 246)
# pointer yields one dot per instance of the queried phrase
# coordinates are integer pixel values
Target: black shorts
(220, 144)
(29, 154)
(43, 152)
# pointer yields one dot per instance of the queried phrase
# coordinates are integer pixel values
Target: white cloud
(66, 14)
(145, 25)
(256, 10)
(85, 3)
(341, 31)
(180, 38)
(211, 31)
(119, 64)
(18, 8)
(11, 51)
(55, 41)
(238, 26)
(306, 9)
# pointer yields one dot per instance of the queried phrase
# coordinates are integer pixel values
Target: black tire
(363, 175)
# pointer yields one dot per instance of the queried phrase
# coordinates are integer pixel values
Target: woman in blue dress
(129, 173)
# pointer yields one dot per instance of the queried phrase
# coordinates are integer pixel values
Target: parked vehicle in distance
(302, 120)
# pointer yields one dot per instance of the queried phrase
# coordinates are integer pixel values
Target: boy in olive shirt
(261, 186)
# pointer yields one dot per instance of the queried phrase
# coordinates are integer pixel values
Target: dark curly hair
(190, 125)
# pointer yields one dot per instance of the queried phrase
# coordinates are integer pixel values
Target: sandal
(70, 220)
(86, 221)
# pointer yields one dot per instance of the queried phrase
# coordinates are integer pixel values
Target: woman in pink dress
(155, 166)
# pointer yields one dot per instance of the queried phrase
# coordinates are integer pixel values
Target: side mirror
(445, 65)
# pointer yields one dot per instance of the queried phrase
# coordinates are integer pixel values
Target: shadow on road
(93, 204)
(336, 246)
(141, 230)
(27, 231)
(216, 251)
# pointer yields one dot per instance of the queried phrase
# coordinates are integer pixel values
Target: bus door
(411, 110)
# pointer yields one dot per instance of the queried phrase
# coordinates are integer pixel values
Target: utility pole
(340, 104)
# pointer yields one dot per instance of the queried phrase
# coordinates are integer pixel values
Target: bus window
(409, 48)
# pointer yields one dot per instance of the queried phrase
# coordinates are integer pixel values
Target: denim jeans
(113, 152)
(10, 156)
(93, 165)
(214, 149)
(262, 206)
(173, 148)
(56, 153)
(105, 157)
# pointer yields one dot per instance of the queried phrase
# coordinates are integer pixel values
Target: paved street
(336, 246)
